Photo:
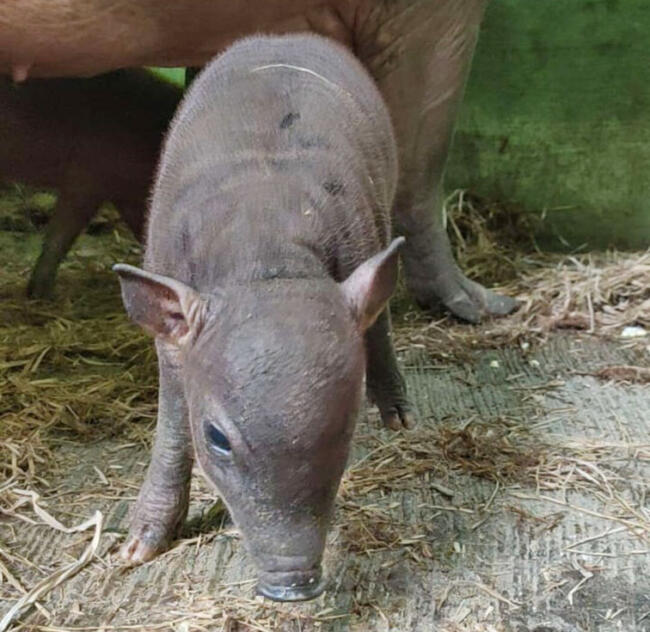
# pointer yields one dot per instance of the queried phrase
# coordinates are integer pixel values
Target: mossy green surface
(556, 118)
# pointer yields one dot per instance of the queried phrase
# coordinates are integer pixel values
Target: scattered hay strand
(490, 450)
(58, 577)
(625, 373)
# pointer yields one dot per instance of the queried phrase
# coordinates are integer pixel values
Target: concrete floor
(558, 545)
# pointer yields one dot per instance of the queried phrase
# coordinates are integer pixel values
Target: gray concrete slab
(422, 541)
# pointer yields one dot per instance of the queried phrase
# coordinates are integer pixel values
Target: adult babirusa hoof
(465, 299)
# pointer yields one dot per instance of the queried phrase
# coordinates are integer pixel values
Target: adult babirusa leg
(420, 55)
(75, 207)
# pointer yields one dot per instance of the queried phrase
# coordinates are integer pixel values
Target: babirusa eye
(217, 439)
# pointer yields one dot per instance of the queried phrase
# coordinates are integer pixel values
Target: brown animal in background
(92, 140)
(418, 52)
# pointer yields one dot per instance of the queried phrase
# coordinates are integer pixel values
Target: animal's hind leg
(420, 56)
(74, 209)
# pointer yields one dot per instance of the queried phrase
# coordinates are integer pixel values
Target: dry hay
(514, 454)
(73, 367)
(623, 373)
(498, 450)
(598, 294)
(68, 375)
(490, 242)
(71, 370)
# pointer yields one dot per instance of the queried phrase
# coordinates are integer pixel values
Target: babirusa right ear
(162, 306)
(369, 287)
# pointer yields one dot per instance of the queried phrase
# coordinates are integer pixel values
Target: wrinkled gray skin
(418, 51)
(267, 262)
(93, 140)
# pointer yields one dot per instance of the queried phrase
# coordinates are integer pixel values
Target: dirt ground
(519, 504)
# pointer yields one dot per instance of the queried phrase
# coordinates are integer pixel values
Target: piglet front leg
(163, 501)
(386, 386)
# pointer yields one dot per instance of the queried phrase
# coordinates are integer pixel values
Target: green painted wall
(557, 118)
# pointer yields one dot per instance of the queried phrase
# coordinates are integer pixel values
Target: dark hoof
(466, 300)
(397, 419)
(40, 290)
(393, 404)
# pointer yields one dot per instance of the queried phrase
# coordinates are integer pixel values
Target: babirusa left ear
(370, 286)
(162, 306)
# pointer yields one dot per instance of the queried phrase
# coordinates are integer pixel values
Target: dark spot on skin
(185, 241)
(333, 187)
(310, 143)
(289, 120)
(186, 250)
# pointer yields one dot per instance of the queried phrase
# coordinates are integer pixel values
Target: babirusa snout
(299, 585)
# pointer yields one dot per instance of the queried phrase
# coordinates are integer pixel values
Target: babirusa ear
(369, 287)
(163, 307)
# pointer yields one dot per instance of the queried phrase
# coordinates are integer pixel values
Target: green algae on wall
(556, 118)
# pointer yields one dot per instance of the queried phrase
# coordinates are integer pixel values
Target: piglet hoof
(393, 404)
(149, 538)
(397, 419)
(137, 551)
(156, 519)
